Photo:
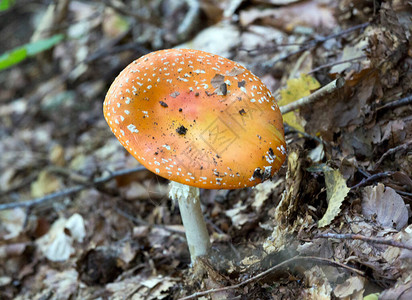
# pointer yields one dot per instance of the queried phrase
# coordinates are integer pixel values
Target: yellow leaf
(46, 183)
(296, 89)
(371, 297)
(336, 191)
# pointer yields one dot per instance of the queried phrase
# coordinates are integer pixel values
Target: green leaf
(18, 54)
(42, 45)
(6, 4)
(371, 297)
(12, 57)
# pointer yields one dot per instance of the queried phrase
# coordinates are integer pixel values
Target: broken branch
(268, 271)
(69, 191)
(373, 240)
(319, 94)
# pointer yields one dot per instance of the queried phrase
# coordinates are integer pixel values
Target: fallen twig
(372, 178)
(190, 20)
(69, 191)
(121, 8)
(270, 270)
(394, 104)
(336, 63)
(404, 146)
(139, 221)
(320, 93)
(373, 240)
(291, 129)
(314, 43)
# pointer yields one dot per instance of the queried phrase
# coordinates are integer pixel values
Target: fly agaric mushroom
(200, 120)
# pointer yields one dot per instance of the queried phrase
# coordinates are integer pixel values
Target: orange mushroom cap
(197, 118)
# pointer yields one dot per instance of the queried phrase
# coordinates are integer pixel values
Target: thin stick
(404, 146)
(373, 240)
(69, 191)
(291, 129)
(314, 43)
(394, 104)
(336, 63)
(372, 179)
(140, 221)
(218, 230)
(322, 92)
(270, 270)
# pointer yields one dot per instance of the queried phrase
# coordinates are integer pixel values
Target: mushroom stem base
(195, 227)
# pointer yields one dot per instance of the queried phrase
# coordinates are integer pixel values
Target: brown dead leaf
(114, 24)
(57, 244)
(387, 45)
(5, 280)
(17, 107)
(11, 223)
(351, 52)
(399, 292)
(403, 179)
(139, 287)
(276, 2)
(401, 257)
(337, 111)
(219, 39)
(263, 191)
(385, 206)
(394, 131)
(101, 265)
(287, 18)
(238, 216)
(62, 284)
(352, 289)
(319, 247)
(319, 286)
(10, 250)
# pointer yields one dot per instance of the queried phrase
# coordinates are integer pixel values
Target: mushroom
(199, 120)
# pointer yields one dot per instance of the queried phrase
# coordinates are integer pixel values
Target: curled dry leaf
(63, 285)
(399, 292)
(291, 16)
(57, 245)
(385, 206)
(352, 54)
(263, 192)
(401, 257)
(139, 287)
(319, 286)
(352, 288)
(220, 39)
(114, 24)
(238, 216)
(11, 223)
(276, 2)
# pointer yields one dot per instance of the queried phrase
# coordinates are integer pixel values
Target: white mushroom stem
(192, 217)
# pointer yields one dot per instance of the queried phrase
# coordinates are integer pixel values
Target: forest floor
(81, 219)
